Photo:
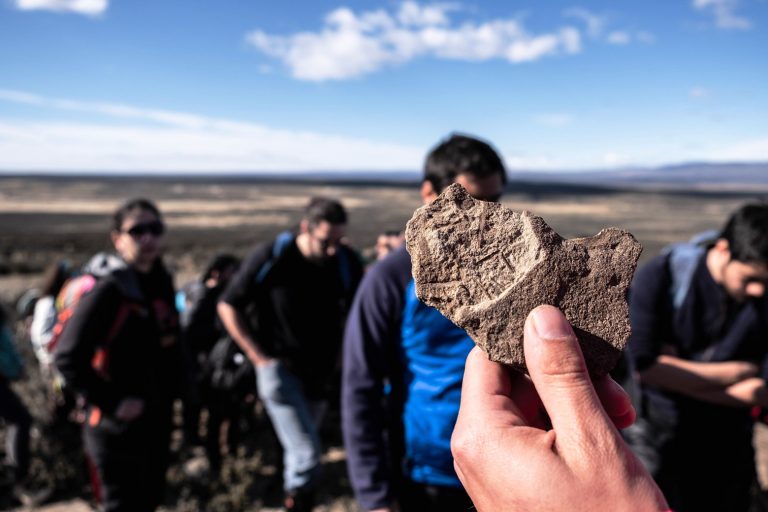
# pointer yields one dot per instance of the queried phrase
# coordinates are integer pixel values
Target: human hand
(386, 509)
(262, 361)
(732, 372)
(129, 409)
(507, 456)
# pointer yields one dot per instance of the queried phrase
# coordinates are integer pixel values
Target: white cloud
(724, 12)
(699, 93)
(595, 23)
(555, 120)
(159, 140)
(351, 45)
(618, 38)
(752, 150)
(411, 13)
(86, 7)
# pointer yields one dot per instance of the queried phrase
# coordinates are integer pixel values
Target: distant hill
(689, 175)
(704, 176)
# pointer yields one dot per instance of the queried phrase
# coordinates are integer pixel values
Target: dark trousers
(696, 470)
(418, 497)
(17, 424)
(130, 460)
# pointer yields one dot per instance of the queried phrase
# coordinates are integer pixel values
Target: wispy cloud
(353, 44)
(555, 120)
(752, 150)
(595, 22)
(160, 140)
(86, 7)
(724, 12)
(619, 38)
(699, 93)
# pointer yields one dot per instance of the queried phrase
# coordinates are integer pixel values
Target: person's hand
(129, 409)
(507, 456)
(736, 371)
(262, 361)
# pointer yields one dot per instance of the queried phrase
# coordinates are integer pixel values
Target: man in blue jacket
(404, 362)
(699, 320)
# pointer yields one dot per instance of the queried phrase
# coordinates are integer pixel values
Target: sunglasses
(155, 228)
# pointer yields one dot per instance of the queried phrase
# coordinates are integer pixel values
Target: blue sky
(99, 85)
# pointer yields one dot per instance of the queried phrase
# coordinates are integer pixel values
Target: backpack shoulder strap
(344, 270)
(280, 245)
(682, 259)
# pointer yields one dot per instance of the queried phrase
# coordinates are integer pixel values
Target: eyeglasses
(155, 228)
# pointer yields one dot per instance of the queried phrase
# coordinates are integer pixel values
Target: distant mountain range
(704, 176)
(689, 175)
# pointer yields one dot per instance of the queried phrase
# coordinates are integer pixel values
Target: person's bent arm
(509, 459)
(746, 393)
(694, 377)
(235, 325)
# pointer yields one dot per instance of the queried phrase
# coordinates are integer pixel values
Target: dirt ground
(43, 219)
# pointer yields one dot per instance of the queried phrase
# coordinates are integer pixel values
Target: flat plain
(45, 219)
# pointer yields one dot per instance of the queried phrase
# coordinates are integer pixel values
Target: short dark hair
(131, 206)
(460, 154)
(220, 263)
(55, 277)
(324, 209)
(747, 233)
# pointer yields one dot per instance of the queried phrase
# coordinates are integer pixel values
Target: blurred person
(548, 441)
(404, 361)
(201, 330)
(45, 313)
(120, 351)
(285, 308)
(13, 412)
(699, 320)
(387, 242)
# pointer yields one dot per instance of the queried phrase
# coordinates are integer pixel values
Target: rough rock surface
(485, 267)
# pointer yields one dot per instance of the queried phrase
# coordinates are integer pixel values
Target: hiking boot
(299, 501)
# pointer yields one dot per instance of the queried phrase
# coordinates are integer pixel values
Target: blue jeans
(295, 420)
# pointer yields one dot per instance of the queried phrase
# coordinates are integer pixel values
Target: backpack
(681, 263)
(76, 287)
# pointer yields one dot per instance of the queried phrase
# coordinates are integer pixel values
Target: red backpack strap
(100, 359)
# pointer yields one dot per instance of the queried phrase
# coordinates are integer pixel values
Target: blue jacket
(401, 387)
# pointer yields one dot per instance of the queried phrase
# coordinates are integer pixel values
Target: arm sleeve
(647, 315)
(41, 330)
(82, 335)
(371, 334)
(241, 288)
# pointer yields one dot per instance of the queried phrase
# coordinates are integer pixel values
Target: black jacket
(122, 341)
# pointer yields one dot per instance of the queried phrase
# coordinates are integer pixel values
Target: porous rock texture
(485, 267)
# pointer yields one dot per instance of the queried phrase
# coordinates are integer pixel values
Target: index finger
(485, 392)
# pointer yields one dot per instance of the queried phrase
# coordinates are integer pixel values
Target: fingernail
(549, 323)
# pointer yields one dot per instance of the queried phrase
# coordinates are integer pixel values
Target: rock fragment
(485, 267)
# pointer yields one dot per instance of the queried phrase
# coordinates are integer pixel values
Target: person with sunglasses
(120, 352)
(403, 363)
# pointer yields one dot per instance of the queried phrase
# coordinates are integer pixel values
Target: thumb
(556, 366)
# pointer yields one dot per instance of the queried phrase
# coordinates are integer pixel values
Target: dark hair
(323, 209)
(747, 233)
(132, 206)
(219, 263)
(460, 154)
(55, 277)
